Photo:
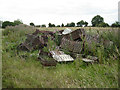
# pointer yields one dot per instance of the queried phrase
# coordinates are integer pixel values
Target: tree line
(97, 21)
(8, 23)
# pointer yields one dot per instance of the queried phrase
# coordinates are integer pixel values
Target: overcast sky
(58, 11)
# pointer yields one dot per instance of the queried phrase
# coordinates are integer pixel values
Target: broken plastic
(66, 31)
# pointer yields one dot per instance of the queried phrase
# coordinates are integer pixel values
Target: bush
(7, 23)
(72, 24)
(51, 25)
(17, 22)
(103, 24)
(43, 25)
(32, 24)
(116, 24)
(21, 28)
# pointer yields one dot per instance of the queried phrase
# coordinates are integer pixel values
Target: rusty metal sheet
(64, 43)
(31, 42)
(77, 47)
(72, 46)
(90, 39)
(77, 34)
(36, 39)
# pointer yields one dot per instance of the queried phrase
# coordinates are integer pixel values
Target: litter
(87, 60)
(73, 41)
(59, 56)
(66, 31)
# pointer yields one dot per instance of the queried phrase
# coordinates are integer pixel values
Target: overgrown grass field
(27, 72)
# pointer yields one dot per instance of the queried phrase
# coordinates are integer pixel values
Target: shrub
(43, 25)
(116, 24)
(7, 23)
(22, 28)
(103, 24)
(32, 24)
(17, 22)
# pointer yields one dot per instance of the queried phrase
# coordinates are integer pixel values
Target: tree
(80, 23)
(43, 25)
(86, 24)
(7, 23)
(62, 25)
(97, 20)
(72, 24)
(17, 22)
(37, 26)
(58, 26)
(68, 25)
(116, 24)
(32, 24)
(103, 24)
(51, 25)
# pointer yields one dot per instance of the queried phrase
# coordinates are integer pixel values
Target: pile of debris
(73, 41)
(36, 40)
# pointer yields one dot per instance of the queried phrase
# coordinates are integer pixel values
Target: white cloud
(58, 11)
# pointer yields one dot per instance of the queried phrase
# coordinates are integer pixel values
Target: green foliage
(96, 20)
(100, 54)
(51, 44)
(51, 25)
(62, 25)
(19, 72)
(58, 26)
(17, 22)
(113, 36)
(81, 23)
(43, 25)
(32, 24)
(78, 63)
(23, 70)
(37, 26)
(21, 29)
(72, 24)
(45, 49)
(116, 24)
(8, 23)
(57, 39)
(103, 24)
(86, 24)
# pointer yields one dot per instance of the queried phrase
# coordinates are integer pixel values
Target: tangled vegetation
(23, 70)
